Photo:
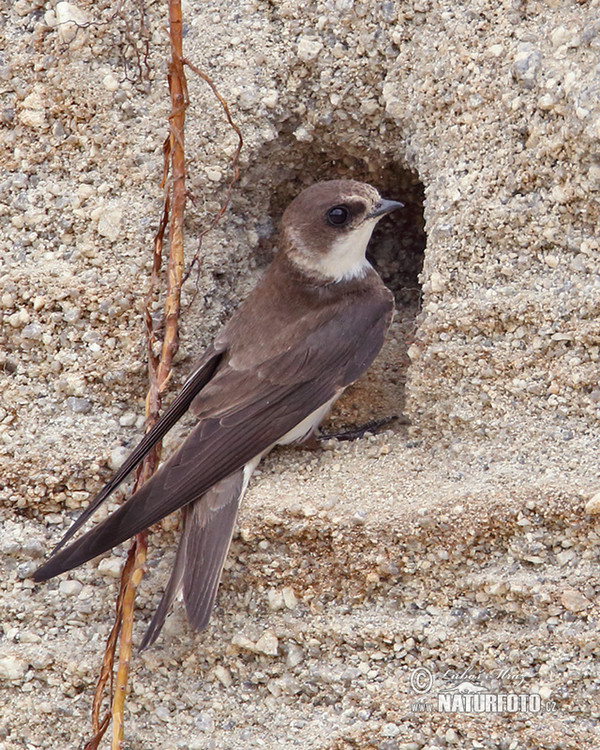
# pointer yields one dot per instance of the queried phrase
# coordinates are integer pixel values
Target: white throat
(346, 260)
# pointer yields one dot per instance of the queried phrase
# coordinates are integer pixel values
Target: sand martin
(309, 329)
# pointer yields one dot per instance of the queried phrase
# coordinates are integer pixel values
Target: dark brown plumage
(310, 328)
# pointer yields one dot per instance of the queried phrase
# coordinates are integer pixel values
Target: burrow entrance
(396, 250)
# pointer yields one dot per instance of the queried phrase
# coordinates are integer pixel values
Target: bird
(310, 327)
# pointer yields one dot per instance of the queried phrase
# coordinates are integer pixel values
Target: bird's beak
(383, 207)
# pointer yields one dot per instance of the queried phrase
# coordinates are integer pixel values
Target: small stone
(593, 504)
(223, 675)
(70, 588)
(574, 601)
(204, 723)
(79, 405)
(527, 63)
(18, 319)
(128, 420)
(70, 19)
(72, 314)
(560, 35)
(437, 282)
(110, 567)
(309, 510)
(451, 737)
(214, 174)
(241, 641)
(370, 106)
(109, 221)
(294, 655)
(12, 667)
(309, 49)
(270, 100)
(390, 730)
(26, 636)
(275, 599)
(303, 135)
(110, 83)
(289, 597)
(32, 331)
(546, 102)
(268, 644)
(163, 713)
(33, 118)
(25, 570)
(33, 111)
(117, 457)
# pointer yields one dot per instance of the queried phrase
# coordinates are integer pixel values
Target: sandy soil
(370, 579)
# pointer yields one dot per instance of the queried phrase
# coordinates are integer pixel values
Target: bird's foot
(314, 442)
(358, 432)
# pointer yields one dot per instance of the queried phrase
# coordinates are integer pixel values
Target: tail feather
(205, 538)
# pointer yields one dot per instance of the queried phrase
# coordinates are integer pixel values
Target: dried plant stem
(159, 367)
(135, 576)
(159, 372)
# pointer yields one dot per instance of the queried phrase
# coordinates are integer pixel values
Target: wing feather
(243, 412)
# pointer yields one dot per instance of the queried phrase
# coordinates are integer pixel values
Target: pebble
(19, 319)
(110, 567)
(162, 713)
(289, 597)
(223, 675)
(109, 221)
(117, 456)
(69, 19)
(33, 111)
(214, 175)
(79, 405)
(593, 505)
(128, 420)
(12, 667)
(241, 641)
(527, 63)
(110, 82)
(294, 656)
(545, 692)
(275, 599)
(32, 331)
(390, 730)
(70, 587)
(574, 601)
(204, 723)
(268, 644)
(309, 49)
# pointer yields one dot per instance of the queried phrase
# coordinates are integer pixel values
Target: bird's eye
(338, 216)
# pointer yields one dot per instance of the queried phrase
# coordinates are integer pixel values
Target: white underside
(301, 430)
(307, 425)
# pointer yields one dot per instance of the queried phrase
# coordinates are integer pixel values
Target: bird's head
(327, 228)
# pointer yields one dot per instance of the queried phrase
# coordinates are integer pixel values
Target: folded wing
(242, 413)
